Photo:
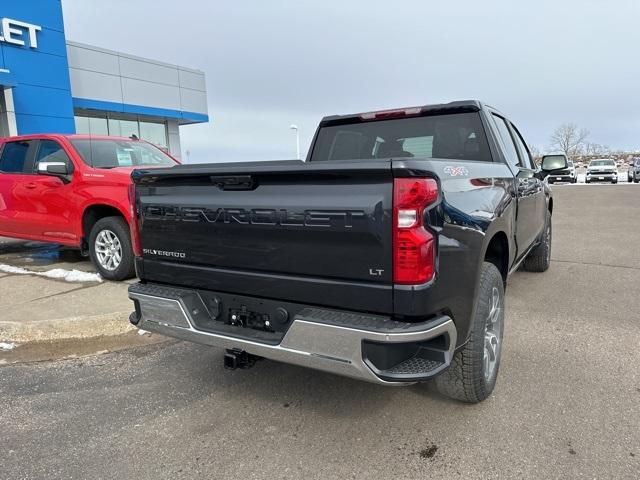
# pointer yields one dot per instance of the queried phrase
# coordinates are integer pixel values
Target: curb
(87, 326)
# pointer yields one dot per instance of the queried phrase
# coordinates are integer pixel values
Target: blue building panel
(41, 69)
(46, 13)
(28, 124)
(38, 74)
(38, 100)
(6, 79)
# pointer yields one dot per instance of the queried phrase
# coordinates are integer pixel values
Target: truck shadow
(279, 385)
(25, 253)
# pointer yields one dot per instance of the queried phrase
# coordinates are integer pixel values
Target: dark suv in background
(633, 174)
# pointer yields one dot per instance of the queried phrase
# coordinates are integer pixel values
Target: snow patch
(7, 346)
(71, 275)
(142, 332)
(56, 273)
(12, 269)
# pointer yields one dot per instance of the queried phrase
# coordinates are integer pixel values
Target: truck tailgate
(318, 233)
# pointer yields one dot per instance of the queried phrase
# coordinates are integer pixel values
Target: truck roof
(70, 136)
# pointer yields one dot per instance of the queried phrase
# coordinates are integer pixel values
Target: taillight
(133, 214)
(413, 245)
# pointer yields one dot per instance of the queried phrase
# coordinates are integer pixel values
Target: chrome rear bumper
(312, 342)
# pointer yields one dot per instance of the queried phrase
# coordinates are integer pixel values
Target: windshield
(455, 136)
(602, 163)
(111, 153)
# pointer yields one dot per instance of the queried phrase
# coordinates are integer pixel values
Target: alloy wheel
(108, 250)
(493, 335)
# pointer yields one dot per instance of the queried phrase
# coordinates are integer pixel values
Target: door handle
(31, 185)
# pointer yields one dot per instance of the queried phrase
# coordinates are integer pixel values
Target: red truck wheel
(110, 248)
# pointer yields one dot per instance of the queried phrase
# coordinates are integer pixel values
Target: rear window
(111, 153)
(459, 136)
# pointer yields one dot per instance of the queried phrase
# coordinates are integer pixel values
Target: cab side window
(52, 151)
(525, 156)
(14, 158)
(510, 150)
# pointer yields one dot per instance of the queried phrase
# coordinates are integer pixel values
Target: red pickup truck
(74, 190)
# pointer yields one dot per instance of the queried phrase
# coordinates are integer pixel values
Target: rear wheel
(472, 374)
(539, 258)
(110, 248)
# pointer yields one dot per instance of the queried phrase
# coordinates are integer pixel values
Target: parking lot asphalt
(567, 402)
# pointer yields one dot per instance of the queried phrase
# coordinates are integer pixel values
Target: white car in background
(565, 175)
(602, 170)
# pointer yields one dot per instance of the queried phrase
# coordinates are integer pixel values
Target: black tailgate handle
(235, 182)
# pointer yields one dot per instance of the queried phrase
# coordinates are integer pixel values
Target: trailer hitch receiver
(239, 359)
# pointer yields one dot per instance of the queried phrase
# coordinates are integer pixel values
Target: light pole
(295, 127)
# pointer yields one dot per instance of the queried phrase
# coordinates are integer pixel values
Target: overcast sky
(272, 63)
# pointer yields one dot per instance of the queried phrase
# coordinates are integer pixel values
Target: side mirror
(553, 162)
(59, 169)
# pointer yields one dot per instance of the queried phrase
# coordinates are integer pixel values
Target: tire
(539, 258)
(109, 236)
(472, 375)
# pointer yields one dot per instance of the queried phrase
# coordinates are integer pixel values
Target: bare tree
(596, 149)
(536, 154)
(569, 139)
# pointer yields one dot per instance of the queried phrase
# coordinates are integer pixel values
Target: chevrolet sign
(13, 32)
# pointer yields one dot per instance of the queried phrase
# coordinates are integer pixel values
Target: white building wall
(106, 75)
(174, 138)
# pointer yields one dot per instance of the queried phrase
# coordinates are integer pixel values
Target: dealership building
(49, 84)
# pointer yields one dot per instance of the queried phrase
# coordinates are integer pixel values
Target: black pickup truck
(383, 257)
